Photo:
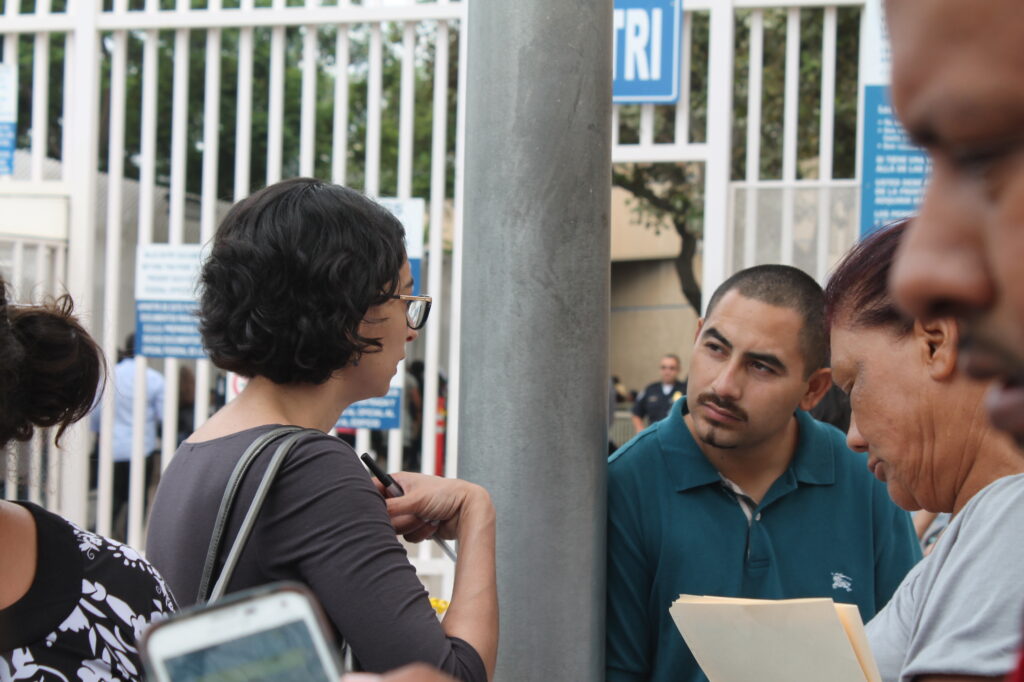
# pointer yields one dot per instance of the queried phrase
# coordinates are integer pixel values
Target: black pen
(392, 489)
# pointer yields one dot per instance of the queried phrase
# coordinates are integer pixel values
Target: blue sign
(8, 117)
(647, 53)
(380, 413)
(167, 329)
(895, 172)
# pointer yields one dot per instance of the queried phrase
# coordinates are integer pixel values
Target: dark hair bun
(50, 369)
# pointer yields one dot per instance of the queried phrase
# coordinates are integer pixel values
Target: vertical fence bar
(307, 126)
(40, 94)
(789, 131)
(112, 284)
(17, 273)
(682, 131)
(646, 124)
(243, 113)
(373, 111)
(717, 176)
(275, 99)
(826, 143)
(755, 77)
(339, 142)
(406, 115)
(35, 468)
(11, 474)
(438, 168)
(371, 182)
(83, 76)
(451, 459)
(208, 197)
(147, 200)
(38, 444)
(66, 107)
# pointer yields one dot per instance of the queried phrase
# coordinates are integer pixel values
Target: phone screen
(283, 653)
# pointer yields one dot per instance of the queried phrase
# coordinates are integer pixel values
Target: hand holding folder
(789, 640)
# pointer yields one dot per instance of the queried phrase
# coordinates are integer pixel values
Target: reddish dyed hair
(858, 290)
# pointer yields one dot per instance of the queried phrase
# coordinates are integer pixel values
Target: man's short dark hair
(673, 356)
(293, 270)
(784, 286)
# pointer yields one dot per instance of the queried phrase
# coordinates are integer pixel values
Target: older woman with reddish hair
(956, 616)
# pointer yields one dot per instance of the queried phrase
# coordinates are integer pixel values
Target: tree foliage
(672, 193)
(357, 70)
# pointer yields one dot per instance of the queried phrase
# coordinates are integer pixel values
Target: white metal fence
(162, 114)
(798, 212)
(311, 92)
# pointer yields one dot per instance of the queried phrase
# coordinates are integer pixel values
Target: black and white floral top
(89, 602)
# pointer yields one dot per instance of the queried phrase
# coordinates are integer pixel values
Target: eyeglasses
(417, 308)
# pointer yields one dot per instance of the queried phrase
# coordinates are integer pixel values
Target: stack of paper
(789, 640)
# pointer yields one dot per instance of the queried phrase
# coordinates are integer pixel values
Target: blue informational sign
(167, 329)
(647, 53)
(166, 325)
(894, 171)
(376, 413)
(8, 117)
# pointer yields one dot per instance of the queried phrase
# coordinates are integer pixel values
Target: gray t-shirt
(323, 524)
(958, 612)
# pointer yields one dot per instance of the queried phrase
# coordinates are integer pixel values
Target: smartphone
(273, 633)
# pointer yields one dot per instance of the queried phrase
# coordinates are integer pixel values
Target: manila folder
(789, 640)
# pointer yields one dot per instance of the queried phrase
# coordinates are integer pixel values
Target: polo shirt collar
(687, 467)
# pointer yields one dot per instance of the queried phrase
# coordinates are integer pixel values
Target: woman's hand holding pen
(432, 504)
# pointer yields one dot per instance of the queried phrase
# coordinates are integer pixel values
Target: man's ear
(700, 325)
(938, 340)
(817, 386)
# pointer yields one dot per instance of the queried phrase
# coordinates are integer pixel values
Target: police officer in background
(653, 404)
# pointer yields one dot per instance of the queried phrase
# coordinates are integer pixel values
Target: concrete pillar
(534, 360)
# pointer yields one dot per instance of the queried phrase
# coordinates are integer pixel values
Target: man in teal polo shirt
(739, 492)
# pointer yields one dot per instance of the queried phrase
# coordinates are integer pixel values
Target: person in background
(307, 291)
(71, 602)
(923, 427)
(656, 400)
(124, 392)
(739, 492)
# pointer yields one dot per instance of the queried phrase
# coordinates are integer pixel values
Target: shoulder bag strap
(249, 521)
(227, 501)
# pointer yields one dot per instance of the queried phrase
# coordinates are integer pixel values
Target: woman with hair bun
(307, 291)
(71, 602)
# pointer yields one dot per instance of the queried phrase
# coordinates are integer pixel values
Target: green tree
(673, 192)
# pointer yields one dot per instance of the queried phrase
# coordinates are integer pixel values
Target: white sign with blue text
(647, 53)
(166, 325)
(385, 412)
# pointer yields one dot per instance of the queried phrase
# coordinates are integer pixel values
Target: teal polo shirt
(825, 528)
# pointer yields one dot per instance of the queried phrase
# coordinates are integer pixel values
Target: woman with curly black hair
(307, 292)
(71, 602)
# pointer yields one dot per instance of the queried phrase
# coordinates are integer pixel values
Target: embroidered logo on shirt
(842, 582)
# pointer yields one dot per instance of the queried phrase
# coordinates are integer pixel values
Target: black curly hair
(50, 368)
(293, 270)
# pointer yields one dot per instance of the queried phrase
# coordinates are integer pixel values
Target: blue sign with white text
(647, 53)
(895, 172)
(167, 329)
(380, 413)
